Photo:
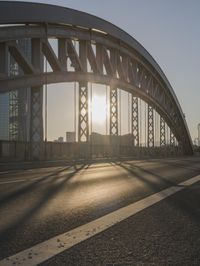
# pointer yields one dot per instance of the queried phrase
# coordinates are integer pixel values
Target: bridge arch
(106, 54)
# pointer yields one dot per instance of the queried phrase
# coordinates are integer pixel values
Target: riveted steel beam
(20, 58)
(50, 56)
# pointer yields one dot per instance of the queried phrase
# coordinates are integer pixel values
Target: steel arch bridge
(90, 49)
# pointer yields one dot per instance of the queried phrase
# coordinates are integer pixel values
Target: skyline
(164, 31)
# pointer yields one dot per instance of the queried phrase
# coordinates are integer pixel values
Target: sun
(98, 109)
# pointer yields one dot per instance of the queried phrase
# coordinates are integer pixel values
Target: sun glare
(98, 109)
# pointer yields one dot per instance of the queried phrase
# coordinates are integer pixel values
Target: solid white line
(49, 248)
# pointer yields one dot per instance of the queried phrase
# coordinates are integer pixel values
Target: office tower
(15, 105)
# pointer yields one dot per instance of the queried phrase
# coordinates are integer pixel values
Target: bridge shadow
(133, 169)
(53, 188)
(33, 184)
(188, 205)
(184, 164)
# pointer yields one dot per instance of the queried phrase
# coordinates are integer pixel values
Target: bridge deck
(38, 204)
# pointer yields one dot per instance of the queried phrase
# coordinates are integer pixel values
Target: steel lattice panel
(135, 127)
(113, 112)
(150, 127)
(172, 138)
(162, 132)
(36, 132)
(83, 127)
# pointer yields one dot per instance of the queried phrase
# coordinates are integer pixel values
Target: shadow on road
(52, 189)
(188, 206)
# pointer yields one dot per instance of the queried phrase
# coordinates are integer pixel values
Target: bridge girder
(102, 58)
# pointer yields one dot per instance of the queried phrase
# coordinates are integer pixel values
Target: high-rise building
(70, 137)
(60, 139)
(15, 105)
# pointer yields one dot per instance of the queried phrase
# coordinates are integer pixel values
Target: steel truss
(113, 59)
(134, 120)
(83, 125)
(150, 126)
(162, 132)
(113, 112)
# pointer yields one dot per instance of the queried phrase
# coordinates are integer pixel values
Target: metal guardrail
(73, 151)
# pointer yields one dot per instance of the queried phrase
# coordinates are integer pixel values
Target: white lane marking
(49, 248)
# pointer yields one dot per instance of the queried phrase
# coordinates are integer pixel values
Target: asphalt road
(38, 204)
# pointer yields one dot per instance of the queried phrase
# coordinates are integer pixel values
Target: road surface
(39, 205)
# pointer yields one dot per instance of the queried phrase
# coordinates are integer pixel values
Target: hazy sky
(169, 30)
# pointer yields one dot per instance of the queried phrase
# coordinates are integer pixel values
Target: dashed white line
(49, 248)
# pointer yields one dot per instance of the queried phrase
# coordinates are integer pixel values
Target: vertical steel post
(162, 132)
(83, 122)
(36, 117)
(134, 121)
(113, 112)
(150, 127)
(36, 123)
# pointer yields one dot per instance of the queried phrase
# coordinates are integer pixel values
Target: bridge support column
(36, 123)
(113, 112)
(83, 125)
(162, 132)
(134, 121)
(36, 108)
(150, 127)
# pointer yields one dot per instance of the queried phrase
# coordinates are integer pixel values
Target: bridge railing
(18, 150)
